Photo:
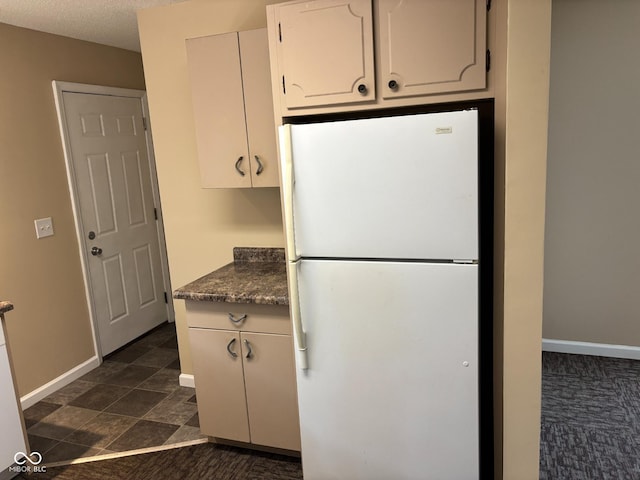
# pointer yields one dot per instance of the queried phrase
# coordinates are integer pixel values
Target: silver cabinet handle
(249, 350)
(260, 166)
(238, 162)
(238, 320)
(229, 346)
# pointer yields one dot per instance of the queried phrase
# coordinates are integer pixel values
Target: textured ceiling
(110, 22)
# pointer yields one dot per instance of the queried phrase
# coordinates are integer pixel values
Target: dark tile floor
(133, 400)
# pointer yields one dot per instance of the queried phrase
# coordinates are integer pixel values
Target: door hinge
(155, 213)
(166, 298)
(488, 60)
(488, 5)
(144, 123)
(280, 32)
(284, 89)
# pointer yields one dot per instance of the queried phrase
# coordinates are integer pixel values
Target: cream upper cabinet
(431, 46)
(233, 109)
(323, 51)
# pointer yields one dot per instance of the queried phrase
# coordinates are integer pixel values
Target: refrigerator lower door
(391, 389)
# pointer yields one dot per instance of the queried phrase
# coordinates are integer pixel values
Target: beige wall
(592, 268)
(201, 225)
(525, 143)
(49, 329)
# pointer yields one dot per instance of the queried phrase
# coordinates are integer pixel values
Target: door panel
(218, 108)
(102, 195)
(397, 187)
(113, 178)
(271, 392)
(258, 105)
(432, 46)
(133, 181)
(115, 290)
(144, 275)
(387, 393)
(219, 383)
(326, 52)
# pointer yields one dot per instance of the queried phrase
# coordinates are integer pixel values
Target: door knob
(96, 251)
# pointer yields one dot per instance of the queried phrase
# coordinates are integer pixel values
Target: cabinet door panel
(271, 390)
(218, 107)
(258, 105)
(326, 52)
(431, 46)
(222, 407)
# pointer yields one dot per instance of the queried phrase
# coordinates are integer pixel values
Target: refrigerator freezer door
(397, 187)
(391, 389)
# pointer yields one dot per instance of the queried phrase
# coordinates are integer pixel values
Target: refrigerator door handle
(296, 319)
(287, 188)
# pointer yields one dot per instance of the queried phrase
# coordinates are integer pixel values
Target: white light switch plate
(44, 227)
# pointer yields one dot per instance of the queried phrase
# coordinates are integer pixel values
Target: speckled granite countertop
(257, 275)
(6, 306)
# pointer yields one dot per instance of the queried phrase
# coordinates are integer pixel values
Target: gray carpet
(590, 418)
(197, 462)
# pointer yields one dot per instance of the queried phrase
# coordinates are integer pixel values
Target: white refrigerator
(381, 219)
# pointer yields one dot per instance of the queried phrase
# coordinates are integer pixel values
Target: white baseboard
(186, 380)
(59, 382)
(587, 348)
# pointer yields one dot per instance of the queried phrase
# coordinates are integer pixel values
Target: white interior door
(391, 389)
(117, 217)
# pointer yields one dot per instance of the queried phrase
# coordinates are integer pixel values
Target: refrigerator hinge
(465, 261)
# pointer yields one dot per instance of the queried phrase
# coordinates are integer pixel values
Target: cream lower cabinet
(245, 379)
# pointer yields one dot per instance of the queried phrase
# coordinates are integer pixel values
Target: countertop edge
(5, 306)
(210, 297)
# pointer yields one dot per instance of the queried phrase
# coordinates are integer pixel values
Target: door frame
(58, 89)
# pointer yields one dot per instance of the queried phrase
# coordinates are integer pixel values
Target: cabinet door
(325, 52)
(258, 106)
(269, 372)
(431, 46)
(222, 407)
(218, 107)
